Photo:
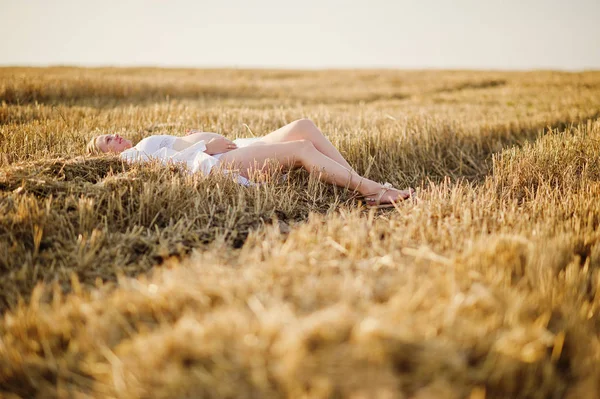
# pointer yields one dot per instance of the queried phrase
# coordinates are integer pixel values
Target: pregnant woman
(297, 144)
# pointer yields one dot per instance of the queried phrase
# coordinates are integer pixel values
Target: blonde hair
(92, 147)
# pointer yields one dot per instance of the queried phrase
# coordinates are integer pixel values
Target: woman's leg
(303, 153)
(305, 129)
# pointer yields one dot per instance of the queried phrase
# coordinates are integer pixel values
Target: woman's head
(108, 143)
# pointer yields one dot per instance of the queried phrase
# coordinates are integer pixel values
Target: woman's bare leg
(303, 153)
(305, 129)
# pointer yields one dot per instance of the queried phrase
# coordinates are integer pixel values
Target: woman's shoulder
(133, 154)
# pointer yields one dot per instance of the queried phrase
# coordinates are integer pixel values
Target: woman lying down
(299, 144)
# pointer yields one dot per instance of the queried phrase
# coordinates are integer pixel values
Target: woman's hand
(219, 145)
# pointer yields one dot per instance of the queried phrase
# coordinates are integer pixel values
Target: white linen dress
(160, 147)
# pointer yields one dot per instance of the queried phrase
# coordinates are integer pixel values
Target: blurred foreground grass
(160, 284)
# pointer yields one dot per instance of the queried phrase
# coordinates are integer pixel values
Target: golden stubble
(143, 281)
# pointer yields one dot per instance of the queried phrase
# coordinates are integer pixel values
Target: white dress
(160, 147)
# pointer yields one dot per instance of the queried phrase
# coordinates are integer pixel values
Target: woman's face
(112, 143)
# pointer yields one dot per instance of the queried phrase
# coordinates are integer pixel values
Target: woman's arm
(215, 143)
(181, 143)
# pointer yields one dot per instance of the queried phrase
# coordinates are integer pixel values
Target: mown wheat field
(142, 281)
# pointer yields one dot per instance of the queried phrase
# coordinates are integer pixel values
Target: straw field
(143, 281)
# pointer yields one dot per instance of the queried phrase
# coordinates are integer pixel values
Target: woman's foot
(388, 195)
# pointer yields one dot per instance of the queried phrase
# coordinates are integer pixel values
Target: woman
(297, 144)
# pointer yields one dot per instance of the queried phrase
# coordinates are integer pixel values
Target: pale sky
(473, 34)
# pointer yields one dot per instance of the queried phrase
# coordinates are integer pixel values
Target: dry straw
(137, 281)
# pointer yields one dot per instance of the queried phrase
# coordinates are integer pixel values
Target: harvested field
(141, 281)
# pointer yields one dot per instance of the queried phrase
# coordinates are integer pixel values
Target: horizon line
(301, 68)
